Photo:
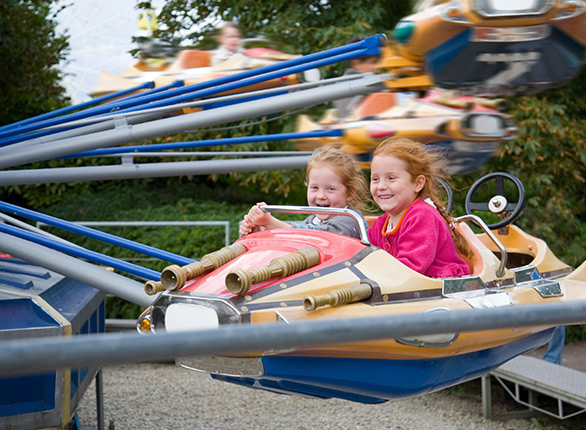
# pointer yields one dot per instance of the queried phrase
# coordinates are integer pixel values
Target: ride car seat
(193, 58)
(375, 104)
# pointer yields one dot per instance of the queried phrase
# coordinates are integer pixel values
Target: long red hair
(419, 160)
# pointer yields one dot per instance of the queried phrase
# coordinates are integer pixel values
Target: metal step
(533, 382)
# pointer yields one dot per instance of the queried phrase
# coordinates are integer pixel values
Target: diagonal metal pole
(41, 354)
(368, 46)
(80, 252)
(87, 273)
(94, 234)
(16, 126)
(215, 142)
(125, 133)
(149, 170)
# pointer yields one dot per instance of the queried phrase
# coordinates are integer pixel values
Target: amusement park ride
(279, 278)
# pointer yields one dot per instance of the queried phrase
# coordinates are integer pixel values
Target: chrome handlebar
(362, 225)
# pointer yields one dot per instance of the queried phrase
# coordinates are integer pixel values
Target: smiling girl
(418, 234)
(333, 180)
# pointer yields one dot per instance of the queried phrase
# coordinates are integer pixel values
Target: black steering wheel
(499, 203)
(449, 195)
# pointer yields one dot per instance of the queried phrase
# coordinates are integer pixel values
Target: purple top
(421, 241)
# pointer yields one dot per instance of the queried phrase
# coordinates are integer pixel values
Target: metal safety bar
(362, 225)
(500, 272)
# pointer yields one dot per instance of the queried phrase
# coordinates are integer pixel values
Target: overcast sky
(100, 37)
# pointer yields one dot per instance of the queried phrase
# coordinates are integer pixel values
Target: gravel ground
(164, 396)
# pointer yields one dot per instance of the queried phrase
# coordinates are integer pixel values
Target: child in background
(418, 234)
(230, 38)
(333, 180)
(356, 66)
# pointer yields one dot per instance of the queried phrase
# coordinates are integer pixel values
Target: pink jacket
(421, 241)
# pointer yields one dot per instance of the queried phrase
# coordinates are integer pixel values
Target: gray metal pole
(98, 125)
(41, 354)
(125, 132)
(90, 274)
(149, 114)
(100, 400)
(149, 170)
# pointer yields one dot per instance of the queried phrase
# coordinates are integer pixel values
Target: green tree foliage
(305, 26)
(549, 158)
(301, 27)
(30, 49)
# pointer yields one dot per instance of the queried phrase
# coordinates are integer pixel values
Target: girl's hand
(253, 220)
(259, 217)
(246, 226)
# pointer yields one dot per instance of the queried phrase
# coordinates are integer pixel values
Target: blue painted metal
(44, 304)
(368, 46)
(22, 313)
(69, 109)
(80, 252)
(377, 380)
(28, 131)
(27, 128)
(222, 103)
(175, 84)
(211, 142)
(243, 81)
(458, 63)
(95, 234)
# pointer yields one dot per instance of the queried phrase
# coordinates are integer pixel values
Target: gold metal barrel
(338, 297)
(238, 281)
(499, 104)
(174, 277)
(453, 102)
(153, 287)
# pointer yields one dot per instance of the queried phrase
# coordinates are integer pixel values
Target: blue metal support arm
(206, 143)
(124, 133)
(246, 81)
(368, 46)
(17, 135)
(80, 252)
(106, 122)
(175, 84)
(95, 234)
(17, 127)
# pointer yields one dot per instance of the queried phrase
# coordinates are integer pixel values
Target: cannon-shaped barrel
(338, 297)
(238, 281)
(153, 287)
(174, 277)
